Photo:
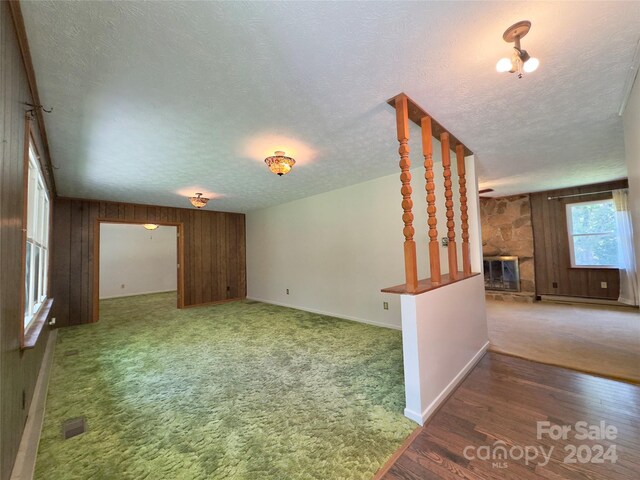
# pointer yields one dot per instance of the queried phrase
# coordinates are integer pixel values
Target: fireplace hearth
(501, 273)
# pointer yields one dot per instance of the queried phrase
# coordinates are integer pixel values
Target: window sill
(32, 333)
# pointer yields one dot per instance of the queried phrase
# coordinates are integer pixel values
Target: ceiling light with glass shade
(279, 164)
(520, 62)
(198, 201)
(150, 226)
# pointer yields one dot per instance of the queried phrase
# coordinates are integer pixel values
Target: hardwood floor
(589, 338)
(501, 401)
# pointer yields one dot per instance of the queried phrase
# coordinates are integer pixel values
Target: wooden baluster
(464, 216)
(427, 151)
(448, 194)
(410, 264)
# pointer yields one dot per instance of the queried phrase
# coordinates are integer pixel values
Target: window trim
(30, 333)
(570, 235)
(39, 201)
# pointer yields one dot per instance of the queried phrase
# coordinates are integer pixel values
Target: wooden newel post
(464, 216)
(427, 151)
(410, 264)
(448, 195)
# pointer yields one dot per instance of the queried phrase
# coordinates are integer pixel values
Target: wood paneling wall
(18, 369)
(214, 252)
(551, 246)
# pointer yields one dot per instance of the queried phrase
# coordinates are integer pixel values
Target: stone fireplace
(507, 232)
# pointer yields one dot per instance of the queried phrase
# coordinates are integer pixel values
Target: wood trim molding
(31, 335)
(181, 261)
(25, 200)
(426, 284)
(382, 471)
(148, 205)
(417, 113)
(21, 33)
(95, 313)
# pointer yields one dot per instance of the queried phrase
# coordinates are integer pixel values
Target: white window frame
(571, 234)
(37, 239)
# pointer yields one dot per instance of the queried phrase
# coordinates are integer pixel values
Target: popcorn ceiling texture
(156, 100)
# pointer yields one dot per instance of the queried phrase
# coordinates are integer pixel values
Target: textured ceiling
(156, 100)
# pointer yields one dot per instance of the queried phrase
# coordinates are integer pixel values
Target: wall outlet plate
(603, 284)
(445, 241)
(287, 291)
(385, 305)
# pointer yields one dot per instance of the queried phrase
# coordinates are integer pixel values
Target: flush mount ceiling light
(279, 164)
(198, 201)
(520, 61)
(150, 226)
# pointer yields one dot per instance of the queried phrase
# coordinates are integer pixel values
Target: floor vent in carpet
(74, 427)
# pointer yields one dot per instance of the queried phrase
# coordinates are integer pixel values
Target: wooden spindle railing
(409, 111)
(464, 216)
(427, 151)
(410, 263)
(448, 195)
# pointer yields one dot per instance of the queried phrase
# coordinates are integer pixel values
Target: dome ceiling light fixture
(279, 164)
(521, 61)
(198, 201)
(150, 226)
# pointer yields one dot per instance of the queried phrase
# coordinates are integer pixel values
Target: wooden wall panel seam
(551, 246)
(18, 369)
(209, 253)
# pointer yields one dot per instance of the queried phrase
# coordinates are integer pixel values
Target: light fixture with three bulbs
(520, 62)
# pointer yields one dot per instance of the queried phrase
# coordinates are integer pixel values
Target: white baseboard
(411, 415)
(328, 314)
(573, 300)
(139, 293)
(25, 464)
(442, 396)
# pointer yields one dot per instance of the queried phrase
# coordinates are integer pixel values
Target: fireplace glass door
(501, 273)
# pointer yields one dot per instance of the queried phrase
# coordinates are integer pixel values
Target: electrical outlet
(385, 305)
(603, 284)
(122, 286)
(287, 291)
(554, 284)
(445, 241)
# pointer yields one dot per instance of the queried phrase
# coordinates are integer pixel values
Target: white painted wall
(335, 251)
(143, 261)
(444, 334)
(631, 120)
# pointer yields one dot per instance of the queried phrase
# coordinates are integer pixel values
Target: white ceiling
(156, 100)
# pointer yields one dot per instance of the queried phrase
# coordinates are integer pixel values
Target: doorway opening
(135, 258)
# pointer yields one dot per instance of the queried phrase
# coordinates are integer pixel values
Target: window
(37, 257)
(593, 240)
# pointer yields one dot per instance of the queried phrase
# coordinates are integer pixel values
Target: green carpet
(242, 390)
